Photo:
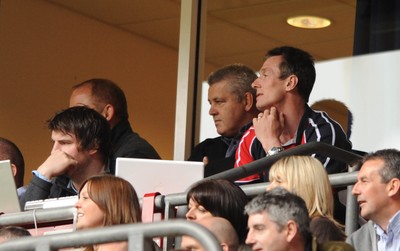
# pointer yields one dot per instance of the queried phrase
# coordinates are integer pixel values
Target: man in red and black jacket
(285, 120)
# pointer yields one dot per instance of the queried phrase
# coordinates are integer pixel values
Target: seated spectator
(306, 177)
(221, 228)
(81, 142)
(109, 100)
(278, 220)
(283, 89)
(221, 198)
(10, 151)
(232, 106)
(378, 194)
(12, 232)
(106, 200)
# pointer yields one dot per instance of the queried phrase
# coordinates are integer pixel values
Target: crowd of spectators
(256, 117)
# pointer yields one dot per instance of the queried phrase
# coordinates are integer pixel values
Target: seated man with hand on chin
(81, 144)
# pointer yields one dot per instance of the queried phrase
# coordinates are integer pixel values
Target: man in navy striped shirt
(285, 120)
(283, 88)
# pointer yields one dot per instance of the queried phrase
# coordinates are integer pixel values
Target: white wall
(207, 128)
(370, 87)
(367, 84)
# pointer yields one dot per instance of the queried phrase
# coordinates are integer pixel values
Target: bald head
(221, 228)
(12, 232)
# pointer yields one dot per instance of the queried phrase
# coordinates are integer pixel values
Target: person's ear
(14, 169)
(393, 187)
(291, 82)
(248, 100)
(291, 230)
(108, 112)
(94, 150)
(224, 246)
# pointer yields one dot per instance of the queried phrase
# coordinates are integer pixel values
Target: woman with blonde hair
(307, 177)
(106, 200)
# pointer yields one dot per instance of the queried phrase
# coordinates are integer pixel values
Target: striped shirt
(389, 240)
(315, 126)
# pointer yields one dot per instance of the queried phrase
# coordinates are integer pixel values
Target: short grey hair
(391, 166)
(239, 76)
(281, 207)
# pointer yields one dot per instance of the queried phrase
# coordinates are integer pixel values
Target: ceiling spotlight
(308, 22)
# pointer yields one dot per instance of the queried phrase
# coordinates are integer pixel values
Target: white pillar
(190, 69)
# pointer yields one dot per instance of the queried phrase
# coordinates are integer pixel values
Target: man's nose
(56, 146)
(255, 84)
(212, 110)
(249, 239)
(355, 190)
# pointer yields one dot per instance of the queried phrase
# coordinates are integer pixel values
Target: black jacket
(127, 143)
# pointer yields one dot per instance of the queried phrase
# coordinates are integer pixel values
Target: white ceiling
(237, 30)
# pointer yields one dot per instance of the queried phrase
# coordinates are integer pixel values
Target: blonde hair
(307, 178)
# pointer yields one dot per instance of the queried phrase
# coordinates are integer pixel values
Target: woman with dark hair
(221, 198)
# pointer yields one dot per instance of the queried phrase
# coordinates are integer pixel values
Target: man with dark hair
(12, 232)
(10, 151)
(232, 106)
(109, 100)
(378, 194)
(279, 221)
(81, 143)
(283, 88)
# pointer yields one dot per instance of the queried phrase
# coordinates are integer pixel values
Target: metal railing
(259, 165)
(167, 203)
(138, 236)
(170, 201)
(38, 216)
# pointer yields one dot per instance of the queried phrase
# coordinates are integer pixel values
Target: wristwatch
(274, 150)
